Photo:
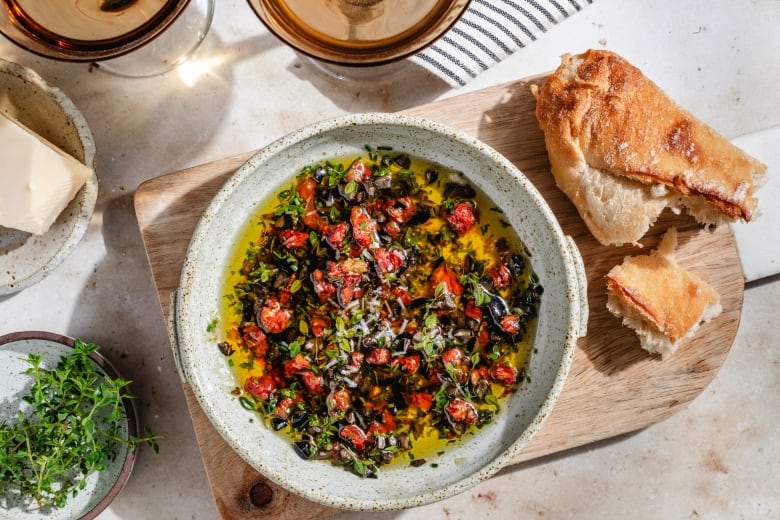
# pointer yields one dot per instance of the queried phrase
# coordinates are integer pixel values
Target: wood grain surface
(614, 387)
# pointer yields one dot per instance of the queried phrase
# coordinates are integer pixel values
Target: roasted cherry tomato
(354, 436)
(363, 226)
(260, 387)
(273, 317)
(461, 411)
(462, 217)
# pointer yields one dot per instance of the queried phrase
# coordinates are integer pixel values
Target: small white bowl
(26, 259)
(554, 258)
(101, 487)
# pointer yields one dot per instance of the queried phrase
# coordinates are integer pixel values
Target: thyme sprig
(75, 425)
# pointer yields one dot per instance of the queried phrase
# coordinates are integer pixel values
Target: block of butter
(37, 179)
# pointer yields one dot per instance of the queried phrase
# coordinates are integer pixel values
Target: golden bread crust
(671, 299)
(600, 109)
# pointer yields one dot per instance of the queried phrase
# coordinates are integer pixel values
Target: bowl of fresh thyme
(68, 428)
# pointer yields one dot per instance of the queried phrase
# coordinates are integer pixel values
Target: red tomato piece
(307, 191)
(339, 400)
(347, 293)
(374, 429)
(409, 364)
(354, 436)
(324, 289)
(363, 226)
(444, 275)
(401, 295)
(388, 420)
(260, 387)
(385, 424)
(500, 276)
(460, 411)
(393, 229)
(357, 172)
(283, 407)
(292, 239)
(421, 400)
(452, 356)
(347, 274)
(503, 373)
(483, 336)
(349, 271)
(356, 359)
(400, 210)
(388, 260)
(273, 317)
(378, 356)
(337, 234)
(318, 325)
(472, 311)
(310, 380)
(295, 365)
(478, 374)
(286, 293)
(255, 340)
(510, 323)
(462, 217)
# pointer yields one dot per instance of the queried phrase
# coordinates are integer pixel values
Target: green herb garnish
(75, 426)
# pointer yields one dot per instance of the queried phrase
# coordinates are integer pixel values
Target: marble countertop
(718, 458)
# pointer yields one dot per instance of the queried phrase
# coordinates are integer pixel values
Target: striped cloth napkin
(488, 32)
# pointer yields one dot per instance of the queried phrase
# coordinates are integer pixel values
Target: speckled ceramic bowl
(563, 313)
(26, 259)
(101, 487)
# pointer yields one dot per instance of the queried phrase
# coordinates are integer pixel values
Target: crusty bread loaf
(657, 298)
(622, 151)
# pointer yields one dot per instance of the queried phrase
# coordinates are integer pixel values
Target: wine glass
(134, 38)
(358, 38)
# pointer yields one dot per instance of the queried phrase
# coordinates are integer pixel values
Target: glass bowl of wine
(100, 30)
(358, 33)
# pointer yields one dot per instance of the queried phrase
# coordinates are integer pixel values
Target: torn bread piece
(622, 151)
(657, 298)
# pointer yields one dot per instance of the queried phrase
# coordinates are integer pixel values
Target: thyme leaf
(75, 427)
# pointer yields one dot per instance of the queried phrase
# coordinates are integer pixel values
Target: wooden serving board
(614, 387)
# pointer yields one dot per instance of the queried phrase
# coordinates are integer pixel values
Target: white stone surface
(718, 458)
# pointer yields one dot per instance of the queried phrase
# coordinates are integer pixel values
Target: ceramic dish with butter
(101, 486)
(198, 302)
(25, 259)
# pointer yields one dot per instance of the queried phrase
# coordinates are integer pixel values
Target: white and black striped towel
(488, 32)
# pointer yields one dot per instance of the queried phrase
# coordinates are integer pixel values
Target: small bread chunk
(622, 151)
(662, 302)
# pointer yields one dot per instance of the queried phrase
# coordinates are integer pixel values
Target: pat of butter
(37, 179)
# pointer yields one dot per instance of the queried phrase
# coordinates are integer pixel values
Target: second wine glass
(343, 36)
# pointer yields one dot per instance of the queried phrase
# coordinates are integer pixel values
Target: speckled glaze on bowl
(26, 259)
(102, 487)
(563, 313)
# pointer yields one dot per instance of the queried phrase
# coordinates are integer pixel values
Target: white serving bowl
(554, 258)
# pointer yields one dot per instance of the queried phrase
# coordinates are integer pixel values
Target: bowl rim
(86, 196)
(564, 245)
(133, 425)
